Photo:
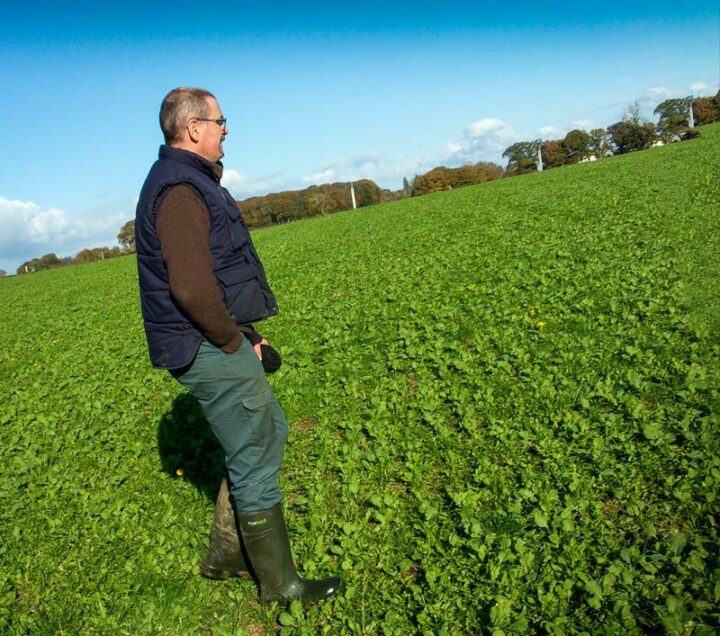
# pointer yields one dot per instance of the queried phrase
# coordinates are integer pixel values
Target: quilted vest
(173, 339)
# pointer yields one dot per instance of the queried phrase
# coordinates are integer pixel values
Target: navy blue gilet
(173, 339)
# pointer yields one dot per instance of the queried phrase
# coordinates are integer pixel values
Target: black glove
(270, 358)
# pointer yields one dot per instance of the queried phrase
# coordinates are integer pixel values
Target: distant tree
(674, 117)
(48, 261)
(554, 154)
(3, 273)
(673, 109)
(85, 256)
(126, 237)
(419, 186)
(632, 113)
(392, 195)
(406, 186)
(706, 109)
(280, 207)
(521, 156)
(435, 180)
(577, 145)
(443, 178)
(675, 128)
(674, 122)
(438, 179)
(600, 144)
(491, 170)
(627, 136)
(367, 192)
(91, 254)
(319, 201)
(464, 175)
(266, 212)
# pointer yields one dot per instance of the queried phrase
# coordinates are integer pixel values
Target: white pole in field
(352, 195)
(539, 161)
(691, 117)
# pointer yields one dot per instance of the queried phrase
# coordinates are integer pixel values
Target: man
(202, 286)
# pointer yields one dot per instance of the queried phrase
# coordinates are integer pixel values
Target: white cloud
(324, 176)
(27, 231)
(654, 96)
(558, 132)
(385, 170)
(659, 92)
(483, 140)
(411, 166)
(548, 131)
(242, 187)
(701, 89)
(362, 166)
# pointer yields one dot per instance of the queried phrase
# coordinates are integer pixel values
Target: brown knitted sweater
(183, 227)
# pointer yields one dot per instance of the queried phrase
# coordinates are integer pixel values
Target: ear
(193, 130)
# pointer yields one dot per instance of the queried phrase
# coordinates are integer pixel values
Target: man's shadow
(188, 448)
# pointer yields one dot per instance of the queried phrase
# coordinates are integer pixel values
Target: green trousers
(245, 417)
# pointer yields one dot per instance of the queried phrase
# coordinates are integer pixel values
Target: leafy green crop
(504, 410)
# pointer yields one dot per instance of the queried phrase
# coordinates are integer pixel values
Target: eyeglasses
(222, 122)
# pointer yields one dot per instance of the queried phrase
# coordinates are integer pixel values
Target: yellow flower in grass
(541, 324)
(179, 472)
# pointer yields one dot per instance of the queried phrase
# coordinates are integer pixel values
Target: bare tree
(632, 113)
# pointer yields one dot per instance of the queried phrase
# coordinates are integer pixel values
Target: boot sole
(284, 601)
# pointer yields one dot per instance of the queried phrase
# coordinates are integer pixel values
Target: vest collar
(212, 170)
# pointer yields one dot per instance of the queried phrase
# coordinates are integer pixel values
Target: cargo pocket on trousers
(258, 412)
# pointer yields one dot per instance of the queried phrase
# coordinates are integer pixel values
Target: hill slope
(503, 405)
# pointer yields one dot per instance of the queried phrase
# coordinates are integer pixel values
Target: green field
(504, 413)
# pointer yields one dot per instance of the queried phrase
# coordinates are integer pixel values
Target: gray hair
(180, 105)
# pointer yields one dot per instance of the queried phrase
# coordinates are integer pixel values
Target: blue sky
(313, 92)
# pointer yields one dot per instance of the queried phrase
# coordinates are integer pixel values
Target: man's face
(211, 136)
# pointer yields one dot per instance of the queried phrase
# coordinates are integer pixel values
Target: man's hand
(258, 351)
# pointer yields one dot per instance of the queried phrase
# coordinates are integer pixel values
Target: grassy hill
(503, 405)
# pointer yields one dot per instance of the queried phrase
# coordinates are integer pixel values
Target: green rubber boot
(225, 555)
(266, 540)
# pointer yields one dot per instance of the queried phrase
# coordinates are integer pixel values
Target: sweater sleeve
(183, 227)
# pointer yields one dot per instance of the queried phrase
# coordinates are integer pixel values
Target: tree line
(278, 207)
(88, 255)
(677, 119)
(126, 238)
(443, 178)
(316, 200)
